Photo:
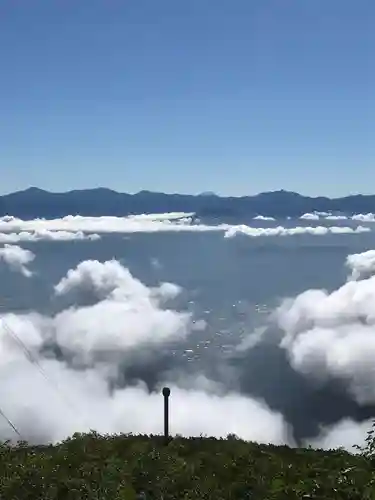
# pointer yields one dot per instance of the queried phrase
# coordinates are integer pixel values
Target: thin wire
(10, 423)
(33, 360)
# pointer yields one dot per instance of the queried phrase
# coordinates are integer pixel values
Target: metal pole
(166, 394)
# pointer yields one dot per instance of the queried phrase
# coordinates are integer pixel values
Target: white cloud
(167, 291)
(336, 217)
(332, 335)
(46, 235)
(111, 278)
(362, 264)
(184, 216)
(345, 434)
(79, 401)
(325, 335)
(292, 231)
(78, 227)
(106, 224)
(17, 258)
(322, 214)
(264, 218)
(100, 278)
(308, 216)
(364, 217)
(125, 314)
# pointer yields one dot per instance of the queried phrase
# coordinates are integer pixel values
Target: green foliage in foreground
(140, 467)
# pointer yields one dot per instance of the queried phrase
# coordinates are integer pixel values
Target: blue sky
(231, 96)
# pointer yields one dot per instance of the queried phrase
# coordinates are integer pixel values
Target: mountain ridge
(35, 202)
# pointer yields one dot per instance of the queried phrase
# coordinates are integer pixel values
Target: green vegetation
(139, 467)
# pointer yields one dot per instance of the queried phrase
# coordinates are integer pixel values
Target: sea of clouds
(66, 372)
(63, 373)
(14, 230)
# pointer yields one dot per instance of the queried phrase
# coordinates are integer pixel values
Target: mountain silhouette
(34, 202)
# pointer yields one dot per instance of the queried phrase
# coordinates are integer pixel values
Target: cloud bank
(13, 230)
(292, 231)
(106, 224)
(336, 217)
(369, 217)
(46, 235)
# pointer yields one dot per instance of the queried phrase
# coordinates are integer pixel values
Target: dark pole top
(166, 392)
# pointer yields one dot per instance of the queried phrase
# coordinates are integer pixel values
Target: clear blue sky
(232, 96)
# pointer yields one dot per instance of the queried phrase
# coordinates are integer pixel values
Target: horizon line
(200, 194)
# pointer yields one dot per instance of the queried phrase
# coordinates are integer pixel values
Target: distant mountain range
(35, 202)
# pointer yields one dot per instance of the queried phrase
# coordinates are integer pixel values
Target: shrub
(127, 467)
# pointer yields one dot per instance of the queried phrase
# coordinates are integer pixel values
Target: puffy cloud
(309, 216)
(17, 258)
(292, 231)
(100, 278)
(167, 291)
(362, 264)
(125, 315)
(364, 217)
(111, 278)
(332, 335)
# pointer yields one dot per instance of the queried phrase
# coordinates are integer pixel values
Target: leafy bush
(127, 467)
